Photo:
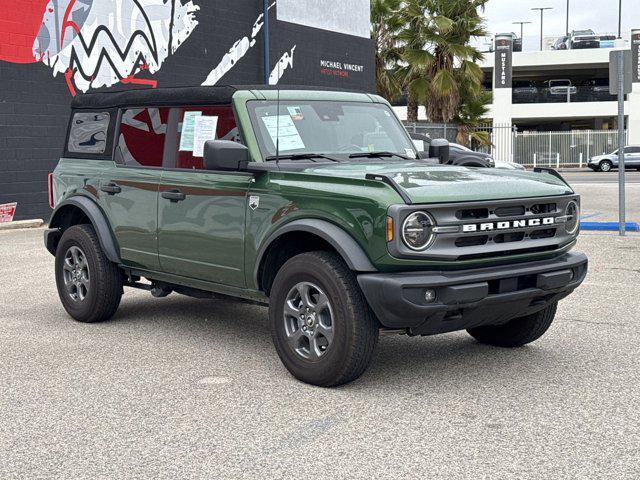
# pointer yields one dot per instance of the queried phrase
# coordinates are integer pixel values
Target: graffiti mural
(236, 52)
(91, 44)
(98, 43)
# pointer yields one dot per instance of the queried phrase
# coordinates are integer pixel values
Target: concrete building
(554, 91)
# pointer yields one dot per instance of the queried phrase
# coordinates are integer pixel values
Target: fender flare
(97, 218)
(351, 252)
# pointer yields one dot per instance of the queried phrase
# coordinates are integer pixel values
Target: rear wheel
(321, 324)
(606, 165)
(89, 285)
(517, 332)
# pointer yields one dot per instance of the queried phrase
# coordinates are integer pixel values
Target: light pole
(620, 19)
(542, 9)
(522, 24)
(568, 18)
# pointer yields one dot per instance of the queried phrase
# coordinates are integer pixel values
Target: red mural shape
(20, 21)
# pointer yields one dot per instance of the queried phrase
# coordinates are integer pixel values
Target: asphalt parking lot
(599, 193)
(182, 388)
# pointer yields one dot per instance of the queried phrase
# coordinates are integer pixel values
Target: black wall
(34, 105)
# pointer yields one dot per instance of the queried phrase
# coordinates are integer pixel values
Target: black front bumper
(470, 298)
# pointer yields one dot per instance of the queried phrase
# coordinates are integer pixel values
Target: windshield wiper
(301, 156)
(377, 154)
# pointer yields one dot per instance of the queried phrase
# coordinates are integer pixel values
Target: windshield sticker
(186, 135)
(283, 132)
(410, 153)
(204, 129)
(419, 144)
(296, 113)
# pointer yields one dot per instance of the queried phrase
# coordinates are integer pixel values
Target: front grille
(520, 251)
(472, 241)
(509, 237)
(542, 208)
(546, 233)
(515, 211)
(478, 230)
(472, 213)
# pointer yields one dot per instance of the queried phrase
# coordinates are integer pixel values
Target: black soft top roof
(159, 97)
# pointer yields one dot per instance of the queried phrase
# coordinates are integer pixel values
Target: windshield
(328, 127)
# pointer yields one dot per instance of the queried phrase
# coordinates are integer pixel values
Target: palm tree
(471, 114)
(439, 61)
(385, 25)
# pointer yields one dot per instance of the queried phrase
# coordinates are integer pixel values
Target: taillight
(50, 187)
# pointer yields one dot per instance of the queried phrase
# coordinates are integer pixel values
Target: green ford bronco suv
(313, 202)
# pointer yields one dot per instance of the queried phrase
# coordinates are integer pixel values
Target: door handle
(173, 195)
(111, 188)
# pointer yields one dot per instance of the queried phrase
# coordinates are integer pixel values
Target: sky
(599, 15)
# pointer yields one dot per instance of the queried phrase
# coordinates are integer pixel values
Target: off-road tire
(355, 326)
(605, 166)
(105, 290)
(517, 332)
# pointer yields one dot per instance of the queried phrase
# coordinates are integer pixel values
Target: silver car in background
(606, 163)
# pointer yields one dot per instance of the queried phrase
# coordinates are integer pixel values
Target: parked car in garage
(581, 39)
(525, 92)
(560, 90)
(561, 44)
(600, 90)
(606, 163)
(607, 41)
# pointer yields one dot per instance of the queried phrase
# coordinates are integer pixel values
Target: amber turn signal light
(389, 229)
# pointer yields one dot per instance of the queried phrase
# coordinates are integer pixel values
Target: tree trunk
(412, 109)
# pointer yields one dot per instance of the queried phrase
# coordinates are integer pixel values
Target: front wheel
(605, 166)
(517, 332)
(89, 285)
(322, 327)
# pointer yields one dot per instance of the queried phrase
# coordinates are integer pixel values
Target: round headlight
(572, 213)
(417, 231)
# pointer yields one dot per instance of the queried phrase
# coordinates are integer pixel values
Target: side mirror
(439, 149)
(225, 155)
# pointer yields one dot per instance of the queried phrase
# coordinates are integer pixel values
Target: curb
(19, 224)
(609, 226)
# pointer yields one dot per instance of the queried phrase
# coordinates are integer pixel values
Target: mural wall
(51, 50)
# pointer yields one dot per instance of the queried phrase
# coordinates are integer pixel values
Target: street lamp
(620, 19)
(542, 9)
(522, 24)
(568, 18)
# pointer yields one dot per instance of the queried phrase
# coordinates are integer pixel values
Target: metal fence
(562, 149)
(435, 130)
(532, 149)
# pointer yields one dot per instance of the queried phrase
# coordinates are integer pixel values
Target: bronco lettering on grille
(532, 222)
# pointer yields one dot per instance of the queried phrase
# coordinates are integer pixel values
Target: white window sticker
(296, 113)
(283, 132)
(204, 129)
(186, 133)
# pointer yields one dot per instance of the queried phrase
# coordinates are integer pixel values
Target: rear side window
(89, 132)
(196, 125)
(142, 136)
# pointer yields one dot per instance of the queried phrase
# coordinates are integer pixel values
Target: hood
(444, 183)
